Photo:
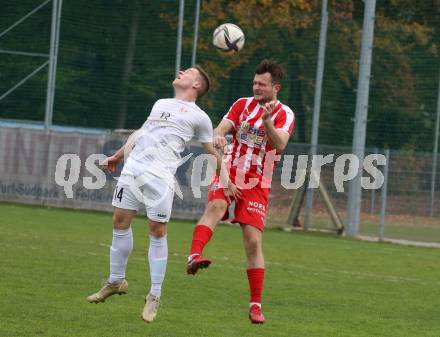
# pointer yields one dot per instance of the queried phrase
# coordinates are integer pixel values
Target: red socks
(256, 282)
(201, 236)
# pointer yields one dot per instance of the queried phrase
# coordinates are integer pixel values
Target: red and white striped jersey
(249, 146)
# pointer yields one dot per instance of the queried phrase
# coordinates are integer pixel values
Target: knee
(119, 222)
(253, 244)
(158, 233)
(217, 208)
(158, 230)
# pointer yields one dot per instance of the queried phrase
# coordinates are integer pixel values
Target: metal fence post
(360, 120)
(435, 152)
(373, 191)
(196, 33)
(179, 36)
(52, 66)
(317, 103)
(383, 197)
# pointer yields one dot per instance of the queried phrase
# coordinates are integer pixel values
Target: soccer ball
(228, 38)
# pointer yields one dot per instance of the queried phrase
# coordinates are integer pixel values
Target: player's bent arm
(127, 147)
(220, 168)
(224, 127)
(110, 163)
(278, 139)
(231, 190)
(220, 132)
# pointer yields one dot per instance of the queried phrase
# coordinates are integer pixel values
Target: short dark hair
(206, 81)
(271, 67)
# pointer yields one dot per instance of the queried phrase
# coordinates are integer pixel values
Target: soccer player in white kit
(148, 179)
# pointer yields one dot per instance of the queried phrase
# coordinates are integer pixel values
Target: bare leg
(253, 246)
(214, 212)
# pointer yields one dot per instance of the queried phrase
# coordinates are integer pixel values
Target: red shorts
(251, 209)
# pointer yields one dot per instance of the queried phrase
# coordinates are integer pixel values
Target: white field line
(369, 238)
(401, 241)
(177, 258)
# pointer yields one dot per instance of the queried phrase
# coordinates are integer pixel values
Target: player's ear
(277, 87)
(197, 85)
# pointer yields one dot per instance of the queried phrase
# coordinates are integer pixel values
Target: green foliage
(105, 80)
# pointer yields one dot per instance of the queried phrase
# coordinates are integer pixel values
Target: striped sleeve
(233, 115)
(285, 120)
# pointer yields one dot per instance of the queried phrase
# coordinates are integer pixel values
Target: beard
(264, 99)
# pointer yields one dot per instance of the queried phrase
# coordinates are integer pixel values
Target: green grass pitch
(316, 285)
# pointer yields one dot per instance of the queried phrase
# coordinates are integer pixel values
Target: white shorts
(155, 193)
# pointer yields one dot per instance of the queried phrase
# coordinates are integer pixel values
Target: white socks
(157, 258)
(120, 250)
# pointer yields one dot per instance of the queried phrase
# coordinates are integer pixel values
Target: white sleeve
(204, 130)
(155, 105)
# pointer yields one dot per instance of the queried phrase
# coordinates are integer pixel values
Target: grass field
(397, 226)
(316, 285)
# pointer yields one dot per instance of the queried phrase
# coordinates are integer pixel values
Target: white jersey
(162, 138)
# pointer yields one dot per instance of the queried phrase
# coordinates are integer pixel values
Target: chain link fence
(408, 204)
(116, 58)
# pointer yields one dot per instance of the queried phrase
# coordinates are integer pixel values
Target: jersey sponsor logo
(244, 126)
(152, 125)
(251, 135)
(165, 115)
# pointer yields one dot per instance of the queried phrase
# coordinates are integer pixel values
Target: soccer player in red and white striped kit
(261, 126)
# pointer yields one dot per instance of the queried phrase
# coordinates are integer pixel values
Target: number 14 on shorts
(118, 193)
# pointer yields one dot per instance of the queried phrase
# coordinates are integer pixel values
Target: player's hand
(267, 109)
(233, 192)
(110, 164)
(220, 142)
